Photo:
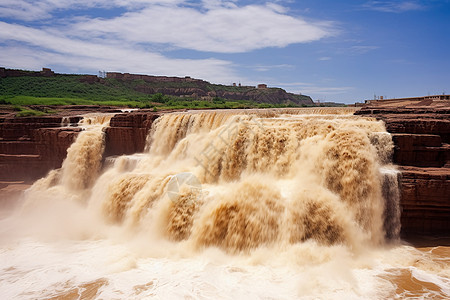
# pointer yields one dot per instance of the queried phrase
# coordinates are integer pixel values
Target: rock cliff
(127, 133)
(421, 134)
(30, 147)
(197, 88)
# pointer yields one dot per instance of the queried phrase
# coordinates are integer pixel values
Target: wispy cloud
(314, 89)
(218, 28)
(48, 34)
(39, 47)
(325, 90)
(265, 68)
(361, 49)
(393, 6)
(31, 10)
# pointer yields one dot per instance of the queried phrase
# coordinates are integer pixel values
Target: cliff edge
(421, 133)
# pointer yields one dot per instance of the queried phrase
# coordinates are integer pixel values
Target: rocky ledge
(32, 146)
(127, 133)
(421, 134)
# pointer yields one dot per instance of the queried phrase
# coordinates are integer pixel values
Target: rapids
(249, 196)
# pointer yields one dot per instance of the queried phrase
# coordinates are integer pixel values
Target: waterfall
(241, 180)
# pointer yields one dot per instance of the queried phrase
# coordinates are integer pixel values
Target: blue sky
(343, 51)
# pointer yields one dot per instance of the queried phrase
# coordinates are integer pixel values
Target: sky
(343, 51)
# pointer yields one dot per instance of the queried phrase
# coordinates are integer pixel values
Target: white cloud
(324, 58)
(325, 90)
(124, 42)
(393, 6)
(362, 49)
(222, 29)
(31, 10)
(315, 90)
(41, 48)
(265, 68)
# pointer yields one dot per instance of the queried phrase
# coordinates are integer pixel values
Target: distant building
(432, 97)
(102, 74)
(262, 86)
(438, 97)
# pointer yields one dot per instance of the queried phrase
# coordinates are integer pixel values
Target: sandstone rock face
(425, 200)
(421, 134)
(127, 133)
(30, 147)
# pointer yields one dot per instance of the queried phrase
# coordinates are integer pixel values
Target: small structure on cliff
(414, 99)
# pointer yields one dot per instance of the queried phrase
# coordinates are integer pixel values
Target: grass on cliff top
(70, 86)
(29, 100)
(70, 90)
(28, 112)
(174, 103)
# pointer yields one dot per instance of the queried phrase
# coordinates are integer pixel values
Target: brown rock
(31, 147)
(127, 133)
(425, 200)
(421, 134)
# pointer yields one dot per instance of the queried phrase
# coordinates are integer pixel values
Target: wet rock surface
(421, 134)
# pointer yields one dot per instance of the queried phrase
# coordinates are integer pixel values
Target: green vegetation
(81, 90)
(223, 104)
(28, 112)
(70, 86)
(29, 100)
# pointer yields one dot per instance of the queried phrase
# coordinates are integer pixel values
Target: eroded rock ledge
(421, 134)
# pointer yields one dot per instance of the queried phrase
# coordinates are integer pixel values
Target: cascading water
(258, 172)
(263, 189)
(81, 167)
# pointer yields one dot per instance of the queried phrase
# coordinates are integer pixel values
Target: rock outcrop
(197, 88)
(127, 133)
(46, 72)
(32, 146)
(421, 134)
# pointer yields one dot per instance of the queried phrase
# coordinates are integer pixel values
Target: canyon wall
(32, 146)
(127, 133)
(421, 133)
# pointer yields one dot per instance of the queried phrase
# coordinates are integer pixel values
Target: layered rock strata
(127, 133)
(421, 134)
(30, 147)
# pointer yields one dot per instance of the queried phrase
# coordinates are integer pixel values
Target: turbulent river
(265, 204)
